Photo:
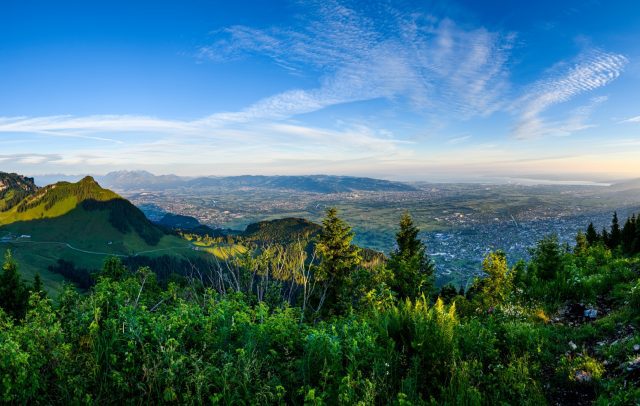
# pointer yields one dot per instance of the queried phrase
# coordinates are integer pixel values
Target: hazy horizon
(43, 179)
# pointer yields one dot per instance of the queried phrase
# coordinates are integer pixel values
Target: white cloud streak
(458, 140)
(635, 119)
(81, 127)
(432, 63)
(29, 159)
(590, 71)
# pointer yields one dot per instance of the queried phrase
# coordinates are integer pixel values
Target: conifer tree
(38, 286)
(592, 235)
(339, 257)
(615, 237)
(629, 234)
(413, 270)
(407, 238)
(636, 240)
(581, 243)
(547, 257)
(13, 292)
(606, 238)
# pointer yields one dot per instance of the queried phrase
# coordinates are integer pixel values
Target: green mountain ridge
(64, 198)
(79, 222)
(51, 201)
(285, 230)
(13, 189)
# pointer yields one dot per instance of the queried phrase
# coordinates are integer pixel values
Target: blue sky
(415, 90)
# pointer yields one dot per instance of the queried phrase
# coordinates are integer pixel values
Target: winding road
(24, 241)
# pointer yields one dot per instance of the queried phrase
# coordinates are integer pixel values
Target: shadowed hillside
(51, 201)
(284, 231)
(78, 222)
(13, 189)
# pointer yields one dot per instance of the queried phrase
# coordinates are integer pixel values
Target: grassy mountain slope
(84, 237)
(79, 222)
(86, 196)
(54, 200)
(13, 189)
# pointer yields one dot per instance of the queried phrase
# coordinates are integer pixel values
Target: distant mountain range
(311, 183)
(128, 181)
(137, 180)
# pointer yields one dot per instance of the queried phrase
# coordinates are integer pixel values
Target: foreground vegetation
(322, 322)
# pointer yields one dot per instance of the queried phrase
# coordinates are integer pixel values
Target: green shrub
(634, 298)
(515, 382)
(580, 369)
(462, 389)
(477, 341)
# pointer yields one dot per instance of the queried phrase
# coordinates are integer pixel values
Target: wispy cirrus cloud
(458, 140)
(432, 63)
(352, 138)
(83, 127)
(575, 120)
(29, 159)
(168, 133)
(590, 71)
(182, 143)
(635, 119)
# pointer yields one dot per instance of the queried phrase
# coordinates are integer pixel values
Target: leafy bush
(634, 298)
(580, 369)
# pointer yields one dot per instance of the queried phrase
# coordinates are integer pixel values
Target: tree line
(625, 238)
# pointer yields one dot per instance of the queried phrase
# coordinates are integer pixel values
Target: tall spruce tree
(615, 238)
(412, 268)
(38, 286)
(14, 294)
(636, 240)
(592, 235)
(338, 259)
(606, 238)
(547, 257)
(628, 234)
